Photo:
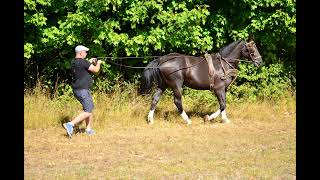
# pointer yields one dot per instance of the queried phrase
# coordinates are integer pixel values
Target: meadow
(259, 143)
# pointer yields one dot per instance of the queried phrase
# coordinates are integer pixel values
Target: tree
(155, 27)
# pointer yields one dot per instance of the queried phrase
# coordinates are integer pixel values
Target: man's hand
(95, 67)
(93, 61)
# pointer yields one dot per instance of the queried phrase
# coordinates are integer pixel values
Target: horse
(175, 70)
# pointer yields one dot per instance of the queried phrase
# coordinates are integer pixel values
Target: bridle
(233, 69)
(235, 59)
(251, 56)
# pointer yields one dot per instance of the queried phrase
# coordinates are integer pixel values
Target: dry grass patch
(260, 143)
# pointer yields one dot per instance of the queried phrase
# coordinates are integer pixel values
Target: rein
(247, 60)
(202, 59)
(133, 67)
(159, 57)
(140, 67)
(144, 57)
(233, 70)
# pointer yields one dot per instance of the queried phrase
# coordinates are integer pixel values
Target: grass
(260, 143)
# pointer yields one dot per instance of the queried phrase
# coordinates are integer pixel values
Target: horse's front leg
(178, 102)
(154, 103)
(221, 95)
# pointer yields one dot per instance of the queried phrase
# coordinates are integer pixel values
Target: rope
(144, 57)
(231, 72)
(241, 60)
(236, 75)
(133, 67)
(139, 67)
(187, 66)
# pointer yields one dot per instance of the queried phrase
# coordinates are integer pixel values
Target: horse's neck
(232, 58)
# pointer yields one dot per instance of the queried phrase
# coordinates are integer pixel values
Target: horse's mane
(228, 48)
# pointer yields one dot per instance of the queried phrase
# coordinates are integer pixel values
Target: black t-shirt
(81, 78)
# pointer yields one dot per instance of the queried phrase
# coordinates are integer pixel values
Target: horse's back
(189, 70)
(193, 71)
(171, 56)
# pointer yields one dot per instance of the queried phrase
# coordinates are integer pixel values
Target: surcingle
(211, 70)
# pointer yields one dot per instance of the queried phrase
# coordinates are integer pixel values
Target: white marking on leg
(185, 117)
(214, 115)
(224, 117)
(150, 116)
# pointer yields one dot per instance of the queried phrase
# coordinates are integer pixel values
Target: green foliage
(28, 50)
(265, 82)
(157, 27)
(206, 98)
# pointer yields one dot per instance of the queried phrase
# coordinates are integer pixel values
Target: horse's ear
(250, 38)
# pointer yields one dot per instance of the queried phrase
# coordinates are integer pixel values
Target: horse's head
(251, 52)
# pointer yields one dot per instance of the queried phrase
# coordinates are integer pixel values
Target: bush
(269, 81)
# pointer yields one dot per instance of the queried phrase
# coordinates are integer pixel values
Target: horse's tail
(150, 74)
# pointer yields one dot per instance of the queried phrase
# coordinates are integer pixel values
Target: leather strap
(211, 70)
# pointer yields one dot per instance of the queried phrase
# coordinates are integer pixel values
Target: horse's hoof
(150, 120)
(227, 121)
(188, 123)
(206, 118)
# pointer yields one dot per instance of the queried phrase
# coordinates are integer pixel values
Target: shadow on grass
(169, 114)
(64, 119)
(202, 115)
(76, 128)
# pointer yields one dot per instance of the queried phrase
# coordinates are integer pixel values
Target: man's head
(81, 51)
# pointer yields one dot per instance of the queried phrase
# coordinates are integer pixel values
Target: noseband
(250, 54)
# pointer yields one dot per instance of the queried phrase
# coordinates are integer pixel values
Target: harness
(233, 72)
(226, 73)
(210, 69)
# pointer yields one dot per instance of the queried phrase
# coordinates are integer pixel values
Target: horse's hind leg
(177, 92)
(154, 103)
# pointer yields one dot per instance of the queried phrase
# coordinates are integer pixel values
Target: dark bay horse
(175, 70)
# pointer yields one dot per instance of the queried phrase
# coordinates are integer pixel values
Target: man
(81, 85)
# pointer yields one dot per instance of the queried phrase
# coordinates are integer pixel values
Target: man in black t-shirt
(81, 85)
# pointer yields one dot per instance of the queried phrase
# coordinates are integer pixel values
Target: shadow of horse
(168, 115)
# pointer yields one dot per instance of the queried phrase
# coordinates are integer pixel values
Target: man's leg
(88, 106)
(69, 126)
(82, 116)
(85, 99)
(89, 121)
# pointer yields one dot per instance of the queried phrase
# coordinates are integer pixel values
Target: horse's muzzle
(258, 62)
